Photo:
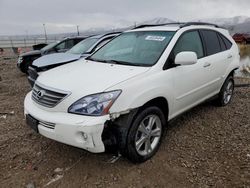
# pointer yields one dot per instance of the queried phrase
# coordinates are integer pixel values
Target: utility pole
(45, 33)
(27, 34)
(135, 24)
(77, 28)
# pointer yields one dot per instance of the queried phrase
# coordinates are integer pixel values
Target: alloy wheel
(228, 92)
(148, 135)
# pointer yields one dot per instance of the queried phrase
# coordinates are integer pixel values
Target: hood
(85, 77)
(54, 59)
(34, 52)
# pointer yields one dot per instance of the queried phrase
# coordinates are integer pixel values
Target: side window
(222, 43)
(190, 41)
(70, 43)
(77, 40)
(211, 42)
(227, 42)
(61, 45)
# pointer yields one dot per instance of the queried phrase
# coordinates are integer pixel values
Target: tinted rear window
(227, 42)
(212, 43)
(222, 43)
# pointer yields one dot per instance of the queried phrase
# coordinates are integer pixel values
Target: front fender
(136, 93)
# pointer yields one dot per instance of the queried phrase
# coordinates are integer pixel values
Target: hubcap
(228, 92)
(148, 135)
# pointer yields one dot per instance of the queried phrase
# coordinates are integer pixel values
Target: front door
(189, 80)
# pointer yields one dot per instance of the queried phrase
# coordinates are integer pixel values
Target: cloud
(16, 17)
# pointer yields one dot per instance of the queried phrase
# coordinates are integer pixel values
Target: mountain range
(238, 24)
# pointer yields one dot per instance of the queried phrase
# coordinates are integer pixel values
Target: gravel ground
(206, 147)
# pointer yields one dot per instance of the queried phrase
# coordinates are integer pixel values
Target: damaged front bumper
(80, 131)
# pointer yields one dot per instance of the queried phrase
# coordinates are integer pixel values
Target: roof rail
(198, 23)
(112, 33)
(155, 25)
(181, 24)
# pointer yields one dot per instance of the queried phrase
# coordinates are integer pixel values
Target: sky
(25, 17)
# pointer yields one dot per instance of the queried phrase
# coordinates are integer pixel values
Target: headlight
(95, 105)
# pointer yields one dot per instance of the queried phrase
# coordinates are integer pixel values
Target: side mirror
(186, 58)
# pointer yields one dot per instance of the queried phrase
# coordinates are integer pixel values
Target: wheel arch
(120, 126)
(160, 102)
(232, 72)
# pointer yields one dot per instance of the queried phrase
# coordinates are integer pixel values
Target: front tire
(226, 93)
(145, 134)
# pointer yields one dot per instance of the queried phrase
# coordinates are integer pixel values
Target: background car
(39, 46)
(81, 50)
(242, 38)
(26, 59)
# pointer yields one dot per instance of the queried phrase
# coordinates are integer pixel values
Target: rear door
(217, 59)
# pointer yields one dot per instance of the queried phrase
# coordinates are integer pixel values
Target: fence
(10, 43)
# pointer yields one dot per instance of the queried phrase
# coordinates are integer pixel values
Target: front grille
(47, 97)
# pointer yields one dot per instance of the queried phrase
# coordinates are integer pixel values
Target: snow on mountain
(159, 20)
(238, 24)
(227, 21)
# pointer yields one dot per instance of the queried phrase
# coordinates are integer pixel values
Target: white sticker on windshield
(155, 38)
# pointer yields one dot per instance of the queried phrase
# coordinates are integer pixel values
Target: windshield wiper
(93, 59)
(112, 61)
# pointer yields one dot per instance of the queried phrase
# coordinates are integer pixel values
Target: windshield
(49, 46)
(83, 46)
(139, 48)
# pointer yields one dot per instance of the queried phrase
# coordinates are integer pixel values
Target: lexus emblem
(40, 94)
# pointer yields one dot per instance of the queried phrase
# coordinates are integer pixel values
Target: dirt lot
(206, 147)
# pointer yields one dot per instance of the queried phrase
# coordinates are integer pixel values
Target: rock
(57, 170)
(31, 185)
(210, 172)
(3, 117)
(86, 177)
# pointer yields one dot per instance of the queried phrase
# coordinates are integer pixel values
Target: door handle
(207, 65)
(229, 56)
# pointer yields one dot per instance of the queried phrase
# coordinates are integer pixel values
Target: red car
(241, 38)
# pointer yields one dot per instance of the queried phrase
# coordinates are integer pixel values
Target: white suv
(127, 91)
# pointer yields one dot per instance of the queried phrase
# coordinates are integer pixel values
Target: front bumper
(80, 131)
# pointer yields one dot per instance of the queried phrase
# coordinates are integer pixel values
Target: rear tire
(145, 134)
(226, 92)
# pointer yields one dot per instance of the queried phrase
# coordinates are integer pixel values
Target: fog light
(85, 136)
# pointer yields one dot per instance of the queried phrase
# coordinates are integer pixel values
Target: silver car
(82, 50)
